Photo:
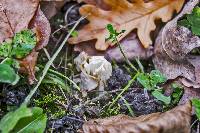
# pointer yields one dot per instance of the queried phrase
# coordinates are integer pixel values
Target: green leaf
(192, 21)
(157, 77)
(144, 80)
(177, 93)
(32, 124)
(110, 29)
(196, 104)
(23, 43)
(184, 23)
(158, 95)
(196, 11)
(5, 48)
(74, 33)
(9, 121)
(8, 75)
(11, 62)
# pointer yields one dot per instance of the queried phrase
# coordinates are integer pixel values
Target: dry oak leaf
(125, 16)
(176, 120)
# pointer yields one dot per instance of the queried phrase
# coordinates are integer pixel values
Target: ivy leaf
(9, 121)
(196, 104)
(8, 75)
(157, 94)
(157, 77)
(143, 79)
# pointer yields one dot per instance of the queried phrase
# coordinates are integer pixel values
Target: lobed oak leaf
(124, 15)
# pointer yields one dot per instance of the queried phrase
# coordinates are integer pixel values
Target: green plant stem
(124, 89)
(126, 59)
(47, 66)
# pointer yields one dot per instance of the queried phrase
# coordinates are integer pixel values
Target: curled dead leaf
(176, 120)
(172, 48)
(125, 16)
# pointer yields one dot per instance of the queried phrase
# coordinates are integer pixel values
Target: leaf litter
(136, 89)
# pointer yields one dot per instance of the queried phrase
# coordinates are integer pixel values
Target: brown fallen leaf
(98, 3)
(20, 15)
(172, 48)
(125, 16)
(50, 8)
(42, 27)
(15, 16)
(176, 120)
(27, 66)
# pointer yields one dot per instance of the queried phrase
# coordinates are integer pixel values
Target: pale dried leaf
(125, 16)
(176, 120)
(172, 48)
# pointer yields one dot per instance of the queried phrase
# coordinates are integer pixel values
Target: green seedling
(113, 35)
(150, 82)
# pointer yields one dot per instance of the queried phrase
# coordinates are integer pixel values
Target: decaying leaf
(172, 49)
(125, 16)
(15, 16)
(95, 70)
(176, 120)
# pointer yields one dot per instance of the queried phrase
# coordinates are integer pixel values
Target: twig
(48, 56)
